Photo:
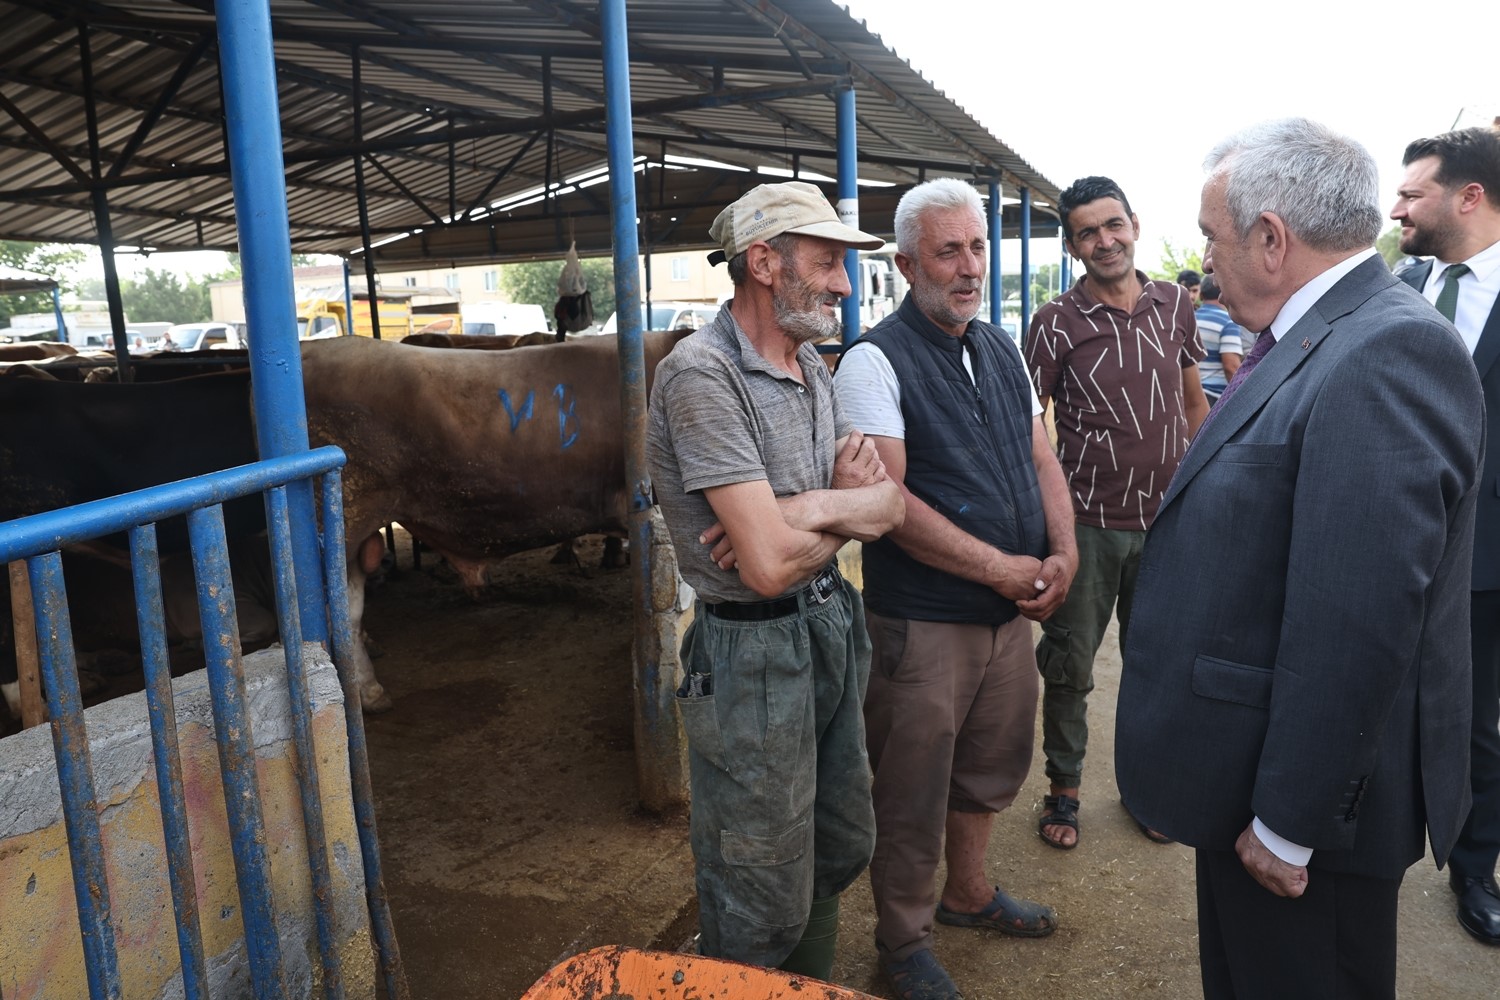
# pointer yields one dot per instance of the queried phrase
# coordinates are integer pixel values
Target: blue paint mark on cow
(516, 416)
(567, 415)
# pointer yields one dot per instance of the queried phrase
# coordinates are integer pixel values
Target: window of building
(451, 281)
(492, 281)
(409, 282)
(680, 269)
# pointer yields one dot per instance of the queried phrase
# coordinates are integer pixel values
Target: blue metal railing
(39, 539)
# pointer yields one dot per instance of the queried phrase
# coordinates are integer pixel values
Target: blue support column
(1025, 258)
(848, 205)
(62, 329)
(247, 63)
(658, 738)
(1067, 264)
(996, 234)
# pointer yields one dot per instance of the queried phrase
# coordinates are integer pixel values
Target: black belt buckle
(824, 585)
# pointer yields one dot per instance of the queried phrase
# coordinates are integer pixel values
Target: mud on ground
(505, 786)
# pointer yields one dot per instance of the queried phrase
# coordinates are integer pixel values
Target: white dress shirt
(1477, 291)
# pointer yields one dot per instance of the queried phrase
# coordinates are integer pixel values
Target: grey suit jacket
(1487, 521)
(1334, 703)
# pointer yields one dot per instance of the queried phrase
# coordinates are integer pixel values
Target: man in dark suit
(1448, 205)
(1304, 740)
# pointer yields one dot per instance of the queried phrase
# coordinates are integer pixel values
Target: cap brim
(716, 258)
(840, 233)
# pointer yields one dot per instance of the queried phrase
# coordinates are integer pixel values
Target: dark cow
(478, 455)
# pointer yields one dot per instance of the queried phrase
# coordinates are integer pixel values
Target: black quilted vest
(968, 456)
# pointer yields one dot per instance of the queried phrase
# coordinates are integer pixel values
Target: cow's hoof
(378, 704)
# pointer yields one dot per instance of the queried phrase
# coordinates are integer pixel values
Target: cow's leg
(12, 692)
(616, 553)
(372, 697)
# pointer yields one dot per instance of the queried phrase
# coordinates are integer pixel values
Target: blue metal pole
(232, 732)
(334, 565)
(247, 63)
(75, 775)
(1025, 258)
(1067, 263)
(300, 700)
(848, 205)
(657, 737)
(150, 620)
(62, 329)
(995, 236)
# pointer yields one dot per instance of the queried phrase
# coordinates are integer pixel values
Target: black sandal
(1064, 812)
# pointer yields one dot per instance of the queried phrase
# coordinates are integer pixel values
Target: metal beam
(163, 101)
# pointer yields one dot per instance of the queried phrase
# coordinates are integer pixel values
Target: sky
(1089, 87)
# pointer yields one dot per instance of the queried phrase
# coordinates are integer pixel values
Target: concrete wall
(41, 955)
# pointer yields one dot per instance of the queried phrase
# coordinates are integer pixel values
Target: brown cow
(478, 455)
(36, 350)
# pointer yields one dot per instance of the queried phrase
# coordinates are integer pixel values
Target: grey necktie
(1447, 300)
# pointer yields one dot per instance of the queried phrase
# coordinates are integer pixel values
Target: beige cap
(772, 209)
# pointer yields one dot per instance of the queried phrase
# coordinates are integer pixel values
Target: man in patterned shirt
(1117, 355)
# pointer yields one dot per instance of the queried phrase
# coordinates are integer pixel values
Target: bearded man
(986, 544)
(761, 480)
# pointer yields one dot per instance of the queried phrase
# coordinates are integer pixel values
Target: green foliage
(536, 284)
(160, 298)
(1174, 259)
(52, 259)
(1389, 246)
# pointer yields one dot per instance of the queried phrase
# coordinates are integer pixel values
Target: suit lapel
(1292, 349)
(1488, 348)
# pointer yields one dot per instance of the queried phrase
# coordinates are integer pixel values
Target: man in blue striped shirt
(1222, 338)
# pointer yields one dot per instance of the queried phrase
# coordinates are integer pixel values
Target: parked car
(671, 316)
(199, 337)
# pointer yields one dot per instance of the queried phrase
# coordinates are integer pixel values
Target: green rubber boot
(813, 955)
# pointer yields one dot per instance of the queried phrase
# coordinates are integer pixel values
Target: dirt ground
(512, 839)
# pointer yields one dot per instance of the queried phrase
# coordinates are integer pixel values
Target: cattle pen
(273, 126)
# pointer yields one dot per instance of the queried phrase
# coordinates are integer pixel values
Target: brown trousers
(950, 716)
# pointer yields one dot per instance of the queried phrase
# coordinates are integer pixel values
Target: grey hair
(739, 264)
(1323, 185)
(945, 193)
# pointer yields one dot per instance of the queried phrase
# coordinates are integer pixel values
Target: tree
(1175, 259)
(536, 284)
(159, 297)
(1389, 246)
(52, 259)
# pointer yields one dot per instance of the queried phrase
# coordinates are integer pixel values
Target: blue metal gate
(39, 539)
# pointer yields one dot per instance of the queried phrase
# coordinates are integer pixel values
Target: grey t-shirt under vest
(721, 414)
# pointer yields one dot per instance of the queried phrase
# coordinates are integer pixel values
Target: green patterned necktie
(1447, 300)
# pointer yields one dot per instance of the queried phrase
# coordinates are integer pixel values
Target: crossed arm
(775, 543)
(1037, 586)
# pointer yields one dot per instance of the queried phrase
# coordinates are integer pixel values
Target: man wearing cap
(986, 544)
(761, 479)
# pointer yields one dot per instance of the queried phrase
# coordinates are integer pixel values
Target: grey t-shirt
(721, 414)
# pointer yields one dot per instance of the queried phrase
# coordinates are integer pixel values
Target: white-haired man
(1305, 740)
(761, 480)
(987, 543)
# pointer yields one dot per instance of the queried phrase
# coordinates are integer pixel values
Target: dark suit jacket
(1334, 702)
(1487, 522)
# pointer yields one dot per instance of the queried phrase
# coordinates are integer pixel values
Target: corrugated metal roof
(466, 104)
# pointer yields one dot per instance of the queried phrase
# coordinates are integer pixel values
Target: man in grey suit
(1305, 740)
(1448, 205)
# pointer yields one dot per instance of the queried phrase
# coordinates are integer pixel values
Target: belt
(823, 586)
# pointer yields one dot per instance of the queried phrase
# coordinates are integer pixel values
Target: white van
(670, 316)
(488, 319)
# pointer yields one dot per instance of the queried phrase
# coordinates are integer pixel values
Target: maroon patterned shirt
(1116, 383)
